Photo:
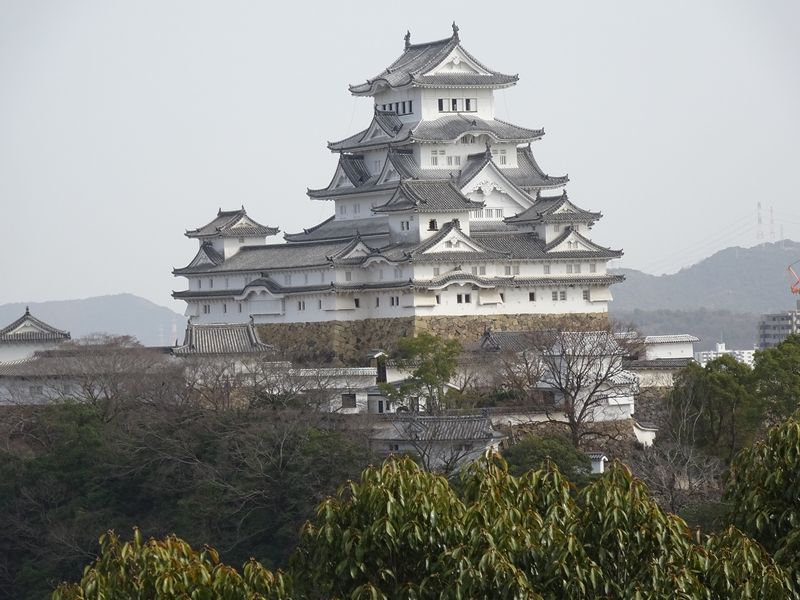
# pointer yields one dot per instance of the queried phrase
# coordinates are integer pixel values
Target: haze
(123, 124)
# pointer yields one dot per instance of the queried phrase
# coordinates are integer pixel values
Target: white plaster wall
(10, 352)
(669, 350)
(392, 95)
(430, 102)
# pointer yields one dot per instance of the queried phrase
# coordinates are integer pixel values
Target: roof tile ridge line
(333, 178)
(540, 131)
(362, 133)
(483, 66)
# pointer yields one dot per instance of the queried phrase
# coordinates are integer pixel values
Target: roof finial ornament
(488, 152)
(455, 30)
(27, 310)
(407, 39)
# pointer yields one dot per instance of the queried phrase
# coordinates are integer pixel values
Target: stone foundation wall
(350, 342)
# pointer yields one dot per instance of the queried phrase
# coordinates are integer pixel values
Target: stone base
(353, 342)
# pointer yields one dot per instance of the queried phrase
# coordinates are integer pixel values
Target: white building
(27, 335)
(440, 210)
(743, 356)
(662, 356)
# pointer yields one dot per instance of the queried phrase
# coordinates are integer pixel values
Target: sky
(122, 124)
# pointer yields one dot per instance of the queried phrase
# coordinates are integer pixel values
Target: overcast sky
(124, 123)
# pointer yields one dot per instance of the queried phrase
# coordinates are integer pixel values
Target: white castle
(441, 210)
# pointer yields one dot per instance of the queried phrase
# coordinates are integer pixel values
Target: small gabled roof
(437, 429)
(231, 223)
(205, 258)
(594, 248)
(545, 210)
(428, 196)
(418, 59)
(446, 229)
(231, 339)
(528, 174)
(29, 329)
(670, 339)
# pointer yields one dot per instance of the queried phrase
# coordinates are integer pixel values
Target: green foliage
(432, 361)
(764, 490)
(404, 533)
(169, 568)
(777, 378)
(714, 407)
(532, 452)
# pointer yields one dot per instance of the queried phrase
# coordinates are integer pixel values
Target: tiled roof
(29, 329)
(332, 229)
(437, 429)
(420, 58)
(206, 257)
(504, 341)
(527, 245)
(668, 339)
(528, 175)
(240, 338)
(658, 363)
(544, 211)
(448, 128)
(597, 249)
(223, 225)
(428, 196)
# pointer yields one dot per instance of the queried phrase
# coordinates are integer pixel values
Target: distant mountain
(718, 299)
(120, 314)
(741, 280)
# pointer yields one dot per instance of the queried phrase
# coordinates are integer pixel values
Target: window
(507, 270)
(410, 106)
(442, 102)
(474, 270)
(531, 296)
(569, 267)
(556, 228)
(459, 298)
(467, 298)
(287, 279)
(555, 296)
(432, 226)
(356, 208)
(436, 271)
(225, 308)
(348, 400)
(516, 269)
(454, 104)
(405, 226)
(586, 295)
(438, 299)
(577, 268)
(470, 104)
(398, 272)
(394, 447)
(380, 274)
(348, 275)
(403, 107)
(562, 295)
(226, 282)
(394, 300)
(377, 302)
(502, 297)
(453, 160)
(206, 309)
(500, 155)
(305, 278)
(592, 268)
(357, 302)
(199, 284)
(240, 307)
(482, 270)
(546, 269)
(241, 240)
(468, 139)
(435, 154)
(319, 304)
(301, 305)
(343, 209)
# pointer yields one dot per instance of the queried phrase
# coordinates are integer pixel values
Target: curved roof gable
(427, 65)
(29, 329)
(232, 223)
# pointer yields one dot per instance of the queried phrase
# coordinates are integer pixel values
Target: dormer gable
(491, 178)
(572, 241)
(458, 61)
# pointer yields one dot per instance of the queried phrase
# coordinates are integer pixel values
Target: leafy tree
(764, 489)
(169, 568)
(532, 452)
(432, 362)
(777, 378)
(714, 408)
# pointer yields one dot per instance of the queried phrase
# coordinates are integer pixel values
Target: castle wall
(354, 342)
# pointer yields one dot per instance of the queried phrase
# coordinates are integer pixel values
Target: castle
(443, 221)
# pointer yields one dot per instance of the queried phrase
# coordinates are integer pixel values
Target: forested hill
(120, 314)
(741, 280)
(718, 299)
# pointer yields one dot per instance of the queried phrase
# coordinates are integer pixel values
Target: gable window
(500, 155)
(432, 225)
(531, 296)
(586, 295)
(348, 400)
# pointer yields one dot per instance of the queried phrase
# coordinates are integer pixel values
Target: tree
(713, 407)
(169, 568)
(432, 362)
(777, 378)
(764, 491)
(532, 452)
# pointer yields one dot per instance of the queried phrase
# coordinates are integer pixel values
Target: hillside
(120, 314)
(742, 280)
(718, 299)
